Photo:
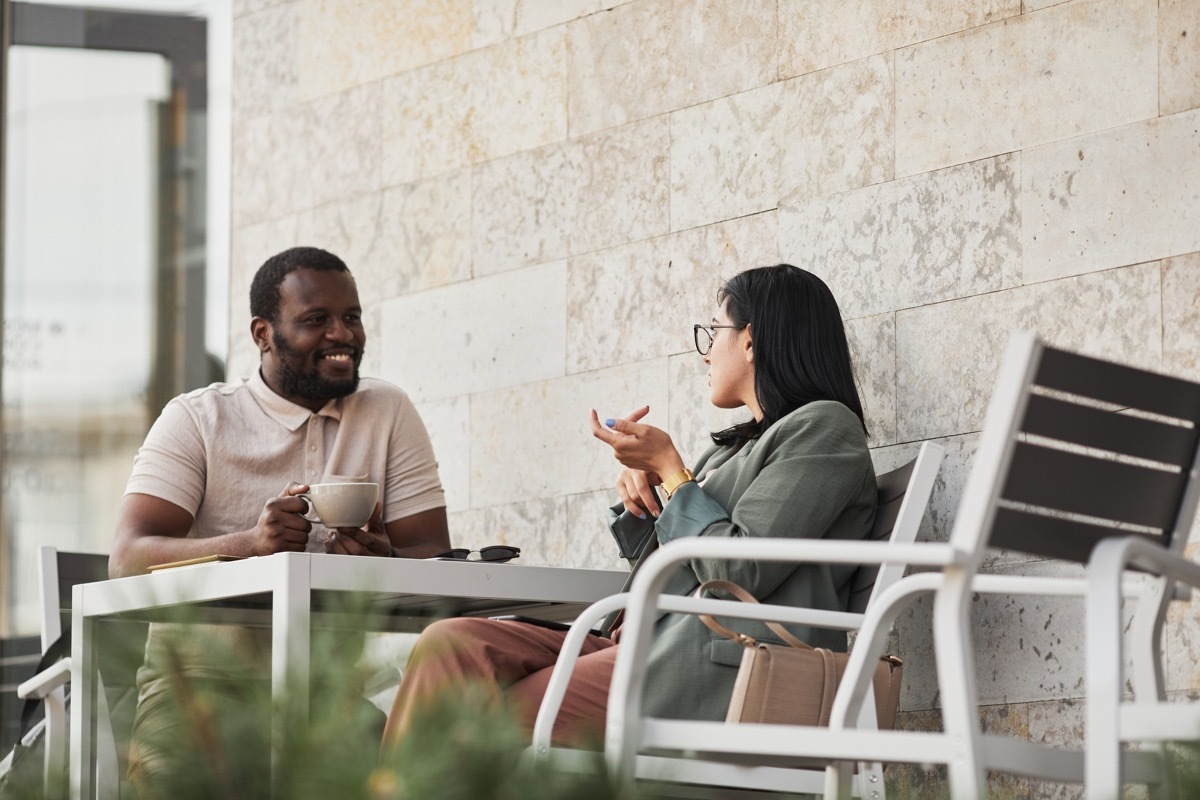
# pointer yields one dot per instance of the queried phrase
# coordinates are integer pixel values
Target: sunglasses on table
(497, 553)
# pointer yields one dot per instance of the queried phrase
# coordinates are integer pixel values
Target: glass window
(106, 269)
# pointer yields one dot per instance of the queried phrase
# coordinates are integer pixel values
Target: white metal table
(283, 590)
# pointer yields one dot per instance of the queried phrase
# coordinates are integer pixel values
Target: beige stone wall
(540, 196)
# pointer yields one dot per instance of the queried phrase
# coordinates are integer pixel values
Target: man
(220, 470)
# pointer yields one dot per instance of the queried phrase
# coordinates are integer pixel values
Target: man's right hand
(281, 525)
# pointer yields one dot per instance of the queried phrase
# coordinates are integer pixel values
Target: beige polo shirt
(221, 452)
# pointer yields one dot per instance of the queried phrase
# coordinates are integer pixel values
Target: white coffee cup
(342, 505)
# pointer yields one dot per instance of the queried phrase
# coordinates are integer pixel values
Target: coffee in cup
(342, 505)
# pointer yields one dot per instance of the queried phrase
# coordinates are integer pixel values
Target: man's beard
(308, 383)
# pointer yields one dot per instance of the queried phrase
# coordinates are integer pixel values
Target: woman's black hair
(799, 341)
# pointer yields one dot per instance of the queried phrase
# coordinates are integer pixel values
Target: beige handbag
(794, 684)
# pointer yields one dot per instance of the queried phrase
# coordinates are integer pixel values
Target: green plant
(213, 739)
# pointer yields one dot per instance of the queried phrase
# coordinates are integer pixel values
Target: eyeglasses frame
(708, 331)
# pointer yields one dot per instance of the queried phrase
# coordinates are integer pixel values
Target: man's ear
(260, 330)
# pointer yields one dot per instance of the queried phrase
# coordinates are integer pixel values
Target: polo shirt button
(313, 448)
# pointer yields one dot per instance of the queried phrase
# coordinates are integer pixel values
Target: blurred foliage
(212, 738)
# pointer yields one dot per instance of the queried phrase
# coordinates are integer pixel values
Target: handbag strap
(828, 687)
(732, 588)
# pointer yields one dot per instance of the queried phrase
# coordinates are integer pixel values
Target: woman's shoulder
(823, 412)
(822, 425)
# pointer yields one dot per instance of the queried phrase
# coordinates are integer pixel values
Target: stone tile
(449, 425)
(1028, 6)
(571, 198)
(1114, 198)
(439, 348)
(1029, 647)
(1181, 316)
(250, 247)
(483, 105)
(814, 34)
(497, 20)
(873, 351)
(424, 235)
(341, 135)
(555, 451)
(518, 95)
(468, 528)
(1178, 56)
(1059, 723)
(535, 526)
(264, 60)
(267, 150)
(837, 130)
(646, 58)
(910, 242)
(424, 132)
(811, 136)
(1011, 720)
(725, 158)
(666, 284)
(345, 45)
(1033, 79)
(1181, 648)
(948, 354)
(349, 228)
(589, 542)
(243, 7)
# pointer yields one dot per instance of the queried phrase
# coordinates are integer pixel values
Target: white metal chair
(1077, 455)
(903, 497)
(58, 573)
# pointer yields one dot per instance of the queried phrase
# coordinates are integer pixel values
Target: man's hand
(281, 525)
(369, 541)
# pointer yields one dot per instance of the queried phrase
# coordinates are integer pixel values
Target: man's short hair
(264, 289)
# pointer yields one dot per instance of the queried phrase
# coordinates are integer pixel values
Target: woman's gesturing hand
(645, 451)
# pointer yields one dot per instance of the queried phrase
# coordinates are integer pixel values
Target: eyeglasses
(703, 334)
(497, 553)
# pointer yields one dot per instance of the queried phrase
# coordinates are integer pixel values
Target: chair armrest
(556, 689)
(46, 681)
(645, 600)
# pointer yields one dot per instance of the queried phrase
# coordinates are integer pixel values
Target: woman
(799, 468)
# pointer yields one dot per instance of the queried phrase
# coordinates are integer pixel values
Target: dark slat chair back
(75, 568)
(892, 487)
(1101, 450)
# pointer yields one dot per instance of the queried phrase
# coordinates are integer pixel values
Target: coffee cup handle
(310, 510)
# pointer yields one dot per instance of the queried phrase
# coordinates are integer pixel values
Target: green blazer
(809, 476)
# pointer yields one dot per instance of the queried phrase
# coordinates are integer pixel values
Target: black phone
(541, 623)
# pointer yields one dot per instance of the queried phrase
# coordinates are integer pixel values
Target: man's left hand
(369, 541)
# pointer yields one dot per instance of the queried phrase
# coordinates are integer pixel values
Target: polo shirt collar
(284, 411)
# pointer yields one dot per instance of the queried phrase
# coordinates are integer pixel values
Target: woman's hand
(642, 449)
(634, 489)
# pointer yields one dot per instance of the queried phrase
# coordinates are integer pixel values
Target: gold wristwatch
(672, 482)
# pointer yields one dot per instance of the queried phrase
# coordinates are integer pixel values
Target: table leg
(85, 681)
(291, 615)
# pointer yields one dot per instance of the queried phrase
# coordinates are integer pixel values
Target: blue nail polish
(643, 516)
(610, 422)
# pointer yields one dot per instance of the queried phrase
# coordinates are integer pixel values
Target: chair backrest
(1076, 449)
(58, 573)
(903, 494)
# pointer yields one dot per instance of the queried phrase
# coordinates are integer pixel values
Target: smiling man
(220, 470)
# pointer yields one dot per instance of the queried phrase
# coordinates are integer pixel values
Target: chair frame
(54, 589)
(644, 601)
(1102, 765)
